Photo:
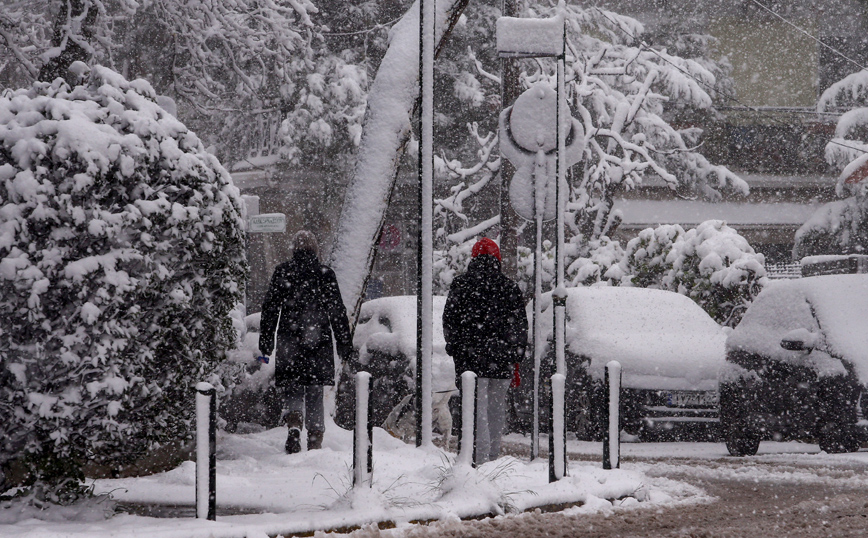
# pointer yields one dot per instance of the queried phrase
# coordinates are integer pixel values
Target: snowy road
(788, 489)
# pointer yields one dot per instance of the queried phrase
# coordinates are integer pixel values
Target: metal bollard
(206, 451)
(557, 437)
(362, 445)
(612, 442)
(467, 440)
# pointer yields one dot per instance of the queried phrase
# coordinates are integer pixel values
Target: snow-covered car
(385, 339)
(670, 351)
(797, 366)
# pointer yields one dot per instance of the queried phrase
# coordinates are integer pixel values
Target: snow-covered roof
(662, 339)
(400, 338)
(836, 306)
(687, 212)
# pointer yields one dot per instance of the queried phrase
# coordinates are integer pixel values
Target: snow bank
(311, 490)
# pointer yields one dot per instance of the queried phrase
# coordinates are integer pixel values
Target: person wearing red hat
(485, 328)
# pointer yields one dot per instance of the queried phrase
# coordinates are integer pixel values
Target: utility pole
(509, 92)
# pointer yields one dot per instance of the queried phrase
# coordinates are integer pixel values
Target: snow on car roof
(836, 305)
(662, 339)
(400, 311)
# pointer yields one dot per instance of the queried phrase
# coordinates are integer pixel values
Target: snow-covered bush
(712, 264)
(602, 262)
(646, 256)
(121, 256)
(716, 267)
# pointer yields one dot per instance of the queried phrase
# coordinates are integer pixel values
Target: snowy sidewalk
(293, 494)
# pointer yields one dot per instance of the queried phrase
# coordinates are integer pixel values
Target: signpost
(541, 142)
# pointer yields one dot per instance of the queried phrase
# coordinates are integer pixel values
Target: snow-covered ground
(278, 493)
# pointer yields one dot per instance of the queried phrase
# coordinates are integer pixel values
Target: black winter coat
(484, 321)
(304, 296)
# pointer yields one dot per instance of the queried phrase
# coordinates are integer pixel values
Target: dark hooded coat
(484, 320)
(304, 297)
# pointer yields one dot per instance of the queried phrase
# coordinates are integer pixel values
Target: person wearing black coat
(485, 328)
(303, 306)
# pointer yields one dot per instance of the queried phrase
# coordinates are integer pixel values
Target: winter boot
(293, 440)
(314, 440)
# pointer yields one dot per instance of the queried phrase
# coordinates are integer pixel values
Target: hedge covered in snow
(121, 256)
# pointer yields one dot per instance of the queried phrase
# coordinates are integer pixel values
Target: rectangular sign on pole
(530, 38)
(267, 223)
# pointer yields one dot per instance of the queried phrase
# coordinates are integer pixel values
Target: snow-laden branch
(480, 69)
(469, 233)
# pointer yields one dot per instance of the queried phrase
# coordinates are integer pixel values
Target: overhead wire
(802, 30)
(727, 95)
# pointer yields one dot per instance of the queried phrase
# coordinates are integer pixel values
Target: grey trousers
(490, 417)
(307, 401)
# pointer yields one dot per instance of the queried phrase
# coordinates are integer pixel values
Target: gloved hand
(351, 360)
(263, 359)
(516, 378)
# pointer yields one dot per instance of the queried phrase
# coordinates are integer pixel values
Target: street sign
(529, 140)
(267, 223)
(530, 38)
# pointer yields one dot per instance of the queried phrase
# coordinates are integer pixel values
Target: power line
(729, 96)
(366, 31)
(836, 51)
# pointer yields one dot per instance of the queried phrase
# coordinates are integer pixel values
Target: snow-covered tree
(254, 77)
(121, 257)
(626, 93)
(841, 226)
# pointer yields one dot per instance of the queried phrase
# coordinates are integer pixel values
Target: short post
(612, 441)
(206, 451)
(557, 439)
(467, 440)
(362, 446)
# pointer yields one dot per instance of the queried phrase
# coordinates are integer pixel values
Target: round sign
(390, 237)
(533, 118)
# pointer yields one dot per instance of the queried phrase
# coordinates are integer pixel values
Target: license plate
(692, 399)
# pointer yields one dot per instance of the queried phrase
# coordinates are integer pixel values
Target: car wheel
(740, 438)
(742, 443)
(838, 438)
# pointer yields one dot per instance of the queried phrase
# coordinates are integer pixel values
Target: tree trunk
(392, 102)
(73, 32)
(509, 220)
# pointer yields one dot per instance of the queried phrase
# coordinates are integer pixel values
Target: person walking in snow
(485, 328)
(304, 296)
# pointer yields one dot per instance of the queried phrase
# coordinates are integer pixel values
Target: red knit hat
(486, 246)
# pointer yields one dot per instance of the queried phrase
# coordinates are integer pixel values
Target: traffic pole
(612, 441)
(362, 445)
(206, 451)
